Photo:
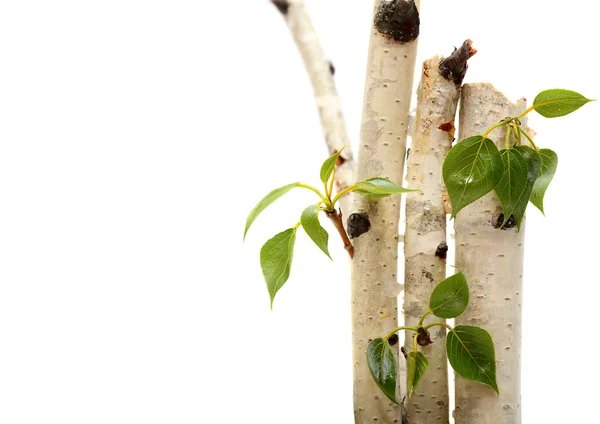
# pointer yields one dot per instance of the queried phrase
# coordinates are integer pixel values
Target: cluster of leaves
(470, 349)
(518, 173)
(277, 253)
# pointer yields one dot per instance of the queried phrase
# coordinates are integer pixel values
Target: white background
(136, 135)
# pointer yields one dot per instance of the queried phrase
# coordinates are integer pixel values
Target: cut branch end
(398, 19)
(281, 5)
(454, 67)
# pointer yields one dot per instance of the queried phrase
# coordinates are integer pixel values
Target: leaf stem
(341, 193)
(336, 219)
(496, 125)
(311, 188)
(415, 348)
(297, 225)
(391, 333)
(330, 189)
(514, 127)
(522, 131)
(507, 138)
(443, 324)
(423, 317)
(529, 109)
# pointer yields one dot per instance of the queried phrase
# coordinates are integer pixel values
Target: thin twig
(319, 70)
(336, 219)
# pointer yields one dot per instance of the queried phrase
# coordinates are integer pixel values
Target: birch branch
(425, 236)
(374, 223)
(492, 261)
(321, 72)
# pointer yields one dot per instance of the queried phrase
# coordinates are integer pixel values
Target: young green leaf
(416, 367)
(521, 168)
(266, 201)
(383, 367)
(378, 187)
(558, 102)
(450, 297)
(549, 164)
(471, 353)
(329, 165)
(276, 260)
(471, 170)
(310, 222)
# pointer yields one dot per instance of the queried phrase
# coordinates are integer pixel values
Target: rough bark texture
(425, 236)
(492, 260)
(388, 89)
(320, 72)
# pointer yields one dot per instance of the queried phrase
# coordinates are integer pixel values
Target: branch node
(358, 224)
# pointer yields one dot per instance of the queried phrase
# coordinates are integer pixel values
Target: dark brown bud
(423, 337)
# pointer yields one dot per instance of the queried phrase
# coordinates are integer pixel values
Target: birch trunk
(320, 72)
(492, 261)
(374, 223)
(425, 236)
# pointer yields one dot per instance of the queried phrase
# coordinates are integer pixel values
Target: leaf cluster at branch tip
(519, 173)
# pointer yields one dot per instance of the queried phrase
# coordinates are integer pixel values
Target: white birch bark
(425, 236)
(321, 77)
(374, 223)
(492, 261)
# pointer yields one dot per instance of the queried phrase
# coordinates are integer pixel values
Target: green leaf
(416, 367)
(471, 353)
(450, 297)
(471, 170)
(378, 187)
(329, 165)
(549, 164)
(558, 102)
(276, 260)
(266, 201)
(383, 367)
(521, 167)
(310, 222)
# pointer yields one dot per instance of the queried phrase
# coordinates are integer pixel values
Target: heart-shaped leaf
(276, 260)
(417, 364)
(558, 102)
(450, 297)
(471, 170)
(310, 222)
(379, 187)
(471, 353)
(329, 165)
(266, 201)
(383, 366)
(521, 168)
(549, 164)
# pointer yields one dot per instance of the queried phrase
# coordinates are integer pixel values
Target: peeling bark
(388, 89)
(492, 261)
(321, 71)
(425, 245)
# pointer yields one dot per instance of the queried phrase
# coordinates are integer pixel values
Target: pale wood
(326, 95)
(492, 261)
(425, 235)
(382, 148)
